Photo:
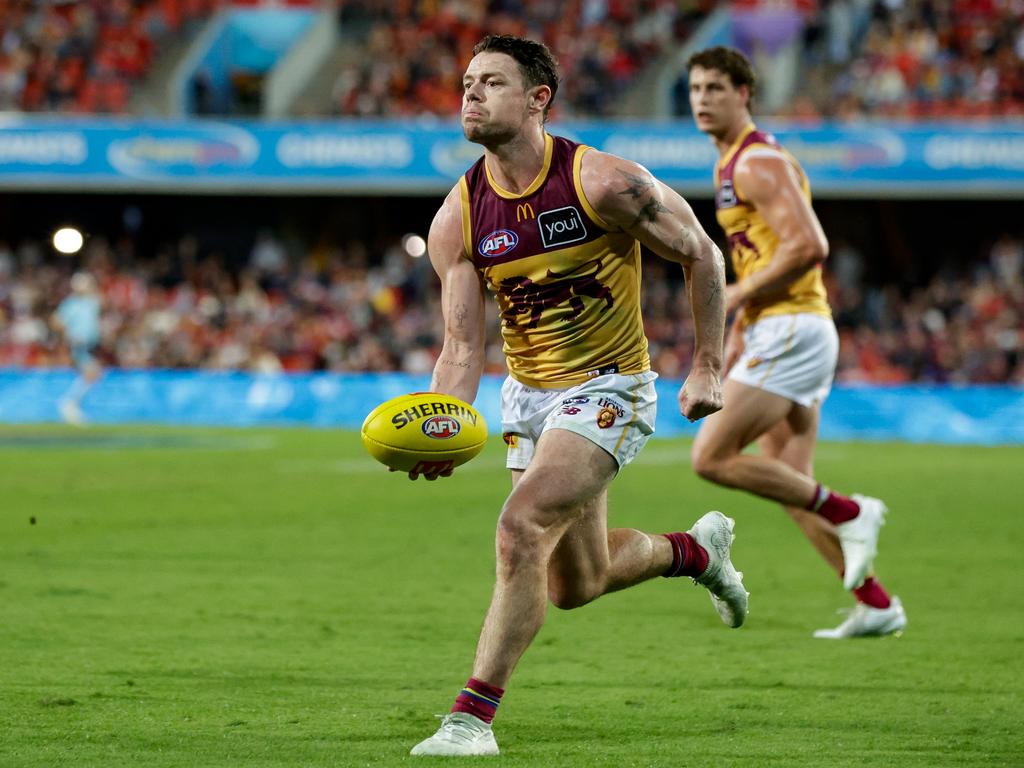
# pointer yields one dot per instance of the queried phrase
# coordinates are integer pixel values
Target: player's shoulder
(451, 206)
(608, 179)
(599, 164)
(446, 230)
(762, 163)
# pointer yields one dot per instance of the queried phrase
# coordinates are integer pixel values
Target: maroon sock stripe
(688, 557)
(479, 699)
(872, 593)
(838, 509)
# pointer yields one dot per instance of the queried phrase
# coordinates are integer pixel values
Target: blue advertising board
(976, 415)
(957, 160)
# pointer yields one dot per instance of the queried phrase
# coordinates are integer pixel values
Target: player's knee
(518, 537)
(706, 464)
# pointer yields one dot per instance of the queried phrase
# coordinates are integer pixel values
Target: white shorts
(790, 355)
(614, 411)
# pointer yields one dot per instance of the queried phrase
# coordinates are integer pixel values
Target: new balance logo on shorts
(561, 226)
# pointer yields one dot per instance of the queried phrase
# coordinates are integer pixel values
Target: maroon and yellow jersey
(568, 287)
(752, 243)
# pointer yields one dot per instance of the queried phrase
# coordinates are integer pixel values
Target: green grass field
(273, 598)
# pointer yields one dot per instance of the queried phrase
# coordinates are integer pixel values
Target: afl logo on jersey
(498, 243)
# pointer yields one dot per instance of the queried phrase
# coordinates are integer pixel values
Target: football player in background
(78, 319)
(554, 228)
(782, 348)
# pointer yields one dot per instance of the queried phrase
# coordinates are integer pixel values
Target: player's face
(716, 103)
(495, 100)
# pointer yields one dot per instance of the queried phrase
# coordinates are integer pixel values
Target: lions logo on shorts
(606, 417)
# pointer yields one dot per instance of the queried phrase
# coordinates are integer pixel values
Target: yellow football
(424, 432)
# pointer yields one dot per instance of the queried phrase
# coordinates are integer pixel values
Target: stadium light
(414, 245)
(68, 240)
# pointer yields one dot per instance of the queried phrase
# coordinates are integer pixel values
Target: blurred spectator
(930, 60)
(83, 55)
(415, 52)
(352, 308)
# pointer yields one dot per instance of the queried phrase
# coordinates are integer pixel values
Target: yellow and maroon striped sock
(478, 699)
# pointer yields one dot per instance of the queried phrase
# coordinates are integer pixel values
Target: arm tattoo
(649, 213)
(454, 363)
(637, 185)
(460, 314)
(714, 288)
(716, 283)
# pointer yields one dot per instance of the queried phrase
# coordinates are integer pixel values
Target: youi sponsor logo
(561, 226)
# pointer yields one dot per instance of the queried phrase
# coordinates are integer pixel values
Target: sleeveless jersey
(567, 287)
(752, 243)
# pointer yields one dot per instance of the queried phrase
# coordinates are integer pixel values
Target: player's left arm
(771, 183)
(628, 197)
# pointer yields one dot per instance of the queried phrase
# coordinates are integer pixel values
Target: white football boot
(460, 734)
(72, 413)
(723, 581)
(865, 621)
(859, 540)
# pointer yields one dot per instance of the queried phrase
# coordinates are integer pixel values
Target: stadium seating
(908, 60)
(350, 310)
(414, 52)
(83, 56)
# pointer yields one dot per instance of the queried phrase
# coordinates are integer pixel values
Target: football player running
(781, 351)
(554, 229)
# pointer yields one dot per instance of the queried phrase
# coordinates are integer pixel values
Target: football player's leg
(591, 561)
(567, 473)
(793, 441)
(717, 455)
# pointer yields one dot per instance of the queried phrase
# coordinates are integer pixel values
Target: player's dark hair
(536, 63)
(730, 62)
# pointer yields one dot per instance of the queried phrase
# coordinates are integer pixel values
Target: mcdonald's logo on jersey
(524, 211)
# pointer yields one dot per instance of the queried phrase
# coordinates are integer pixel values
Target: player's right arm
(461, 362)
(630, 199)
(772, 185)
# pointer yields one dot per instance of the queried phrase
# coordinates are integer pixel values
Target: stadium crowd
(926, 59)
(414, 52)
(347, 309)
(83, 56)
(892, 58)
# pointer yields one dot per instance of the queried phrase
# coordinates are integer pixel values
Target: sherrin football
(424, 432)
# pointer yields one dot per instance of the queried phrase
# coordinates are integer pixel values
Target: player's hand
(431, 476)
(701, 394)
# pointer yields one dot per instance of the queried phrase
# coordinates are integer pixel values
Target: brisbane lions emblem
(606, 417)
(525, 297)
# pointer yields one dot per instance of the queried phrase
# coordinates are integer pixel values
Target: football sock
(688, 557)
(872, 593)
(478, 699)
(832, 506)
(77, 390)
